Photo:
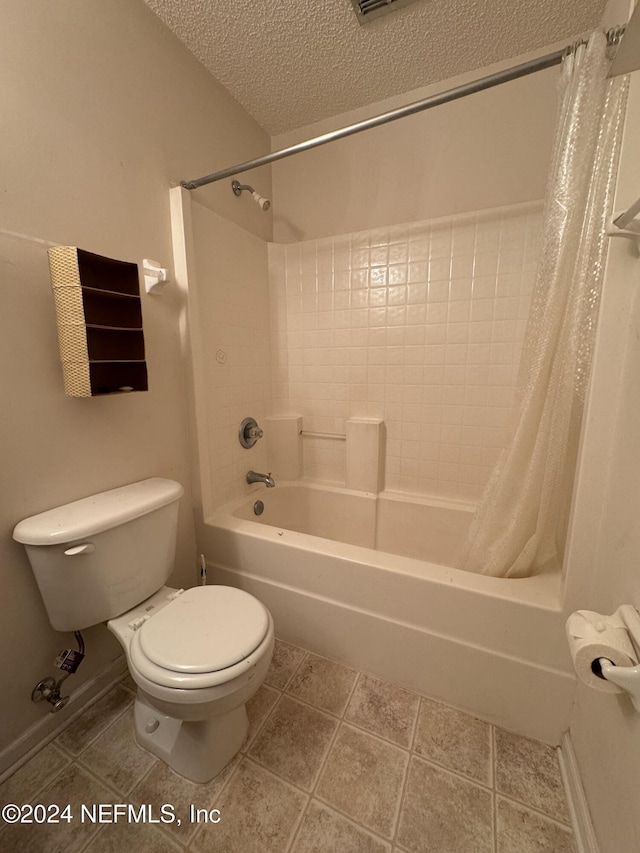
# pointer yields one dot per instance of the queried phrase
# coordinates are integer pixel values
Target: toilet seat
(204, 637)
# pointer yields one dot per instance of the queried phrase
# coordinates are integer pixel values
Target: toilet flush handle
(85, 548)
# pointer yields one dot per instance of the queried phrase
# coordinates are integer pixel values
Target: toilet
(196, 655)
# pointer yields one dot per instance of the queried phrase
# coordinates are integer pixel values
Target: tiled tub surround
(335, 760)
(494, 646)
(420, 325)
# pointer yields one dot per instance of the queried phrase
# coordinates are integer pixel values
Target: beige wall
(487, 150)
(101, 109)
(604, 567)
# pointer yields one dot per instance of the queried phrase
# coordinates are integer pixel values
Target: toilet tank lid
(97, 513)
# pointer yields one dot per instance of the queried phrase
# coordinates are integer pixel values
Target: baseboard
(49, 727)
(578, 807)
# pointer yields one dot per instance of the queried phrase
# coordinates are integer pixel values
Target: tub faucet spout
(255, 477)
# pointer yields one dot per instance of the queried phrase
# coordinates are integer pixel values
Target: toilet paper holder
(626, 677)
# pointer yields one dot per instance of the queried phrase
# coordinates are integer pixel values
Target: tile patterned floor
(335, 762)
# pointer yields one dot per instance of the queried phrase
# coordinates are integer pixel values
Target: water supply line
(49, 689)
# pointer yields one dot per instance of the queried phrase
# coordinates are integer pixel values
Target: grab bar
(337, 436)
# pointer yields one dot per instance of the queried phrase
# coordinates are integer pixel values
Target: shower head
(237, 188)
(264, 203)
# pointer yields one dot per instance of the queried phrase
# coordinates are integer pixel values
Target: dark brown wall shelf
(99, 323)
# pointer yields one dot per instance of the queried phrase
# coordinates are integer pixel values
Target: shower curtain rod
(488, 82)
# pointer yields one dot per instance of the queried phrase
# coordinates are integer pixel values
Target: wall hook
(154, 276)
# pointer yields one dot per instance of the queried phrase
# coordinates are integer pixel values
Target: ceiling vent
(369, 10)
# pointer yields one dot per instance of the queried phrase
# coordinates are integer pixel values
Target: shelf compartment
(91, 343)
(86, 307)
(113, 377)
(97, 378)
(115, 344)
(107, 274)
(111, 309)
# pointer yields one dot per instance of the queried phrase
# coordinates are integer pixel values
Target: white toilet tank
(98, 557)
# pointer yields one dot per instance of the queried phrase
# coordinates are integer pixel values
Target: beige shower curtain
(521, 519)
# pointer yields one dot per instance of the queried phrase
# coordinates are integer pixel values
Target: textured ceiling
(293, 62)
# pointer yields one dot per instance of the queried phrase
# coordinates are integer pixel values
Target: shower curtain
(521, 520)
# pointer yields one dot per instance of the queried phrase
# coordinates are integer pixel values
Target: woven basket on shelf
(72, 337)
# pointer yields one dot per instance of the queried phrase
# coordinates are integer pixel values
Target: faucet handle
(249, 432)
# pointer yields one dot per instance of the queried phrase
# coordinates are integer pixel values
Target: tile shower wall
(421, 325)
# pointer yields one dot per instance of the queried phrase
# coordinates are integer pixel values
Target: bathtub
(369, 580)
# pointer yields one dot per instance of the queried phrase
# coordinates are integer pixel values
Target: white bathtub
(390, 523)
(369, 581)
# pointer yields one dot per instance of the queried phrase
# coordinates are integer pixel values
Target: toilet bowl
(197, 657)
